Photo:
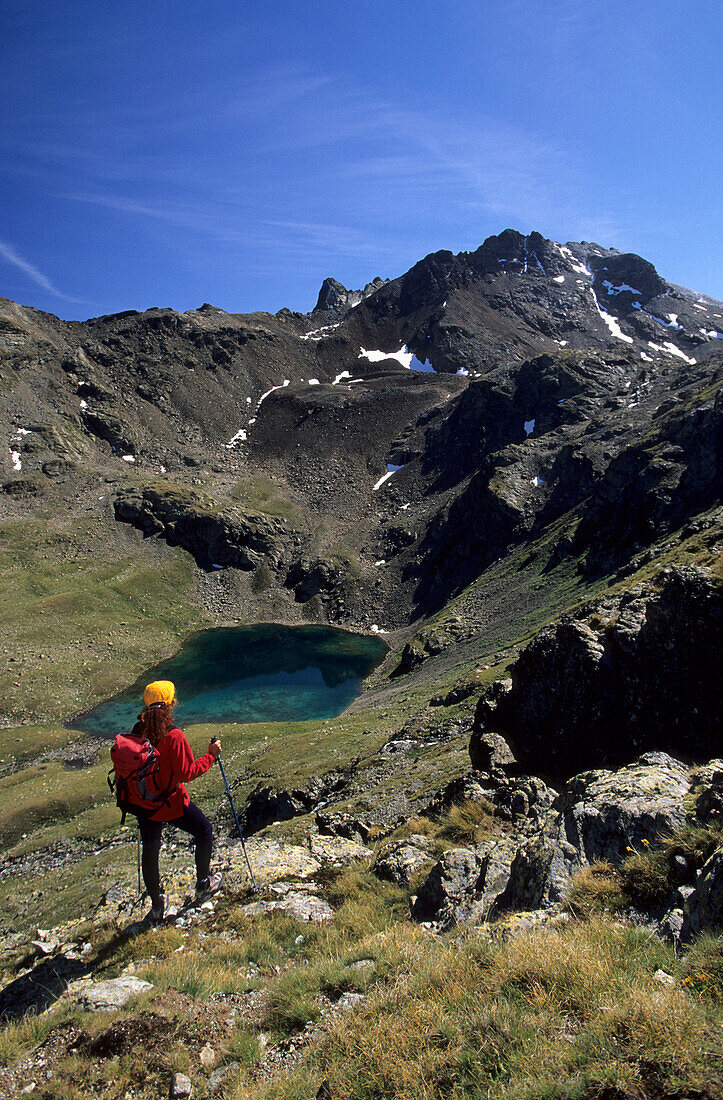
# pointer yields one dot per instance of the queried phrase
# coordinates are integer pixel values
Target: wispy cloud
(12, 257)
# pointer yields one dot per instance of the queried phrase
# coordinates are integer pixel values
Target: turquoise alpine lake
(263, 673)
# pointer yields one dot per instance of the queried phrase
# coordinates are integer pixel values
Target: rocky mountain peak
(334, 295)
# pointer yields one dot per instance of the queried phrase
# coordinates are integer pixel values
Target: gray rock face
(402, 860)
(704, 907)
(632, 672)
(465, 884)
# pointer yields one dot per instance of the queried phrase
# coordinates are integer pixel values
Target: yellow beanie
(160, 691)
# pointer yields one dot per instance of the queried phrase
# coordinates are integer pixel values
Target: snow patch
(379, 563)
(713, 333)
(377, 629)
(537, 481)
(263, 397)
(677, 352)
(320, 333)
(314, 382)
(15, 456)
(163, 469)
(529, 427)
(576, 266)
(619, 289)
(562, 343)
(425, 367)
(403, 356)
(240, 437)
(23, 431)
(463, 371)
(248, 400)
(382, 479)
(696, 306)
(340, 377)
(404, 507)
(558, 279)
(83, 404)
(128, 458)
(647, 358)
(612, 324)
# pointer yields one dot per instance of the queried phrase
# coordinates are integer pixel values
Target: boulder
(489, 752)
(106, 996)
(465, 884)
(181, 1087)
(401, 861)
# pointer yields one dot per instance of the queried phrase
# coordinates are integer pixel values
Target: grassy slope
(85, 609)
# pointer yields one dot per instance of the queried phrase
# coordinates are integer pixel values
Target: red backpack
(135, 771)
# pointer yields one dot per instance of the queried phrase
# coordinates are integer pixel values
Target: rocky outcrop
(334, 295)
(266, 803)
(214, 534)
(598, 815)
(465, 884)
(704, 906)
(632, 672)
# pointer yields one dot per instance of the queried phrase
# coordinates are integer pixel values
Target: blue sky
(171, 153)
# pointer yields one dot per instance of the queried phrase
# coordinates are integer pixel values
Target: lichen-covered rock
(608, 813)
(450, 890)
(298, 904)
(598, 815)
(704, 907)
(338, 850)
(273, 860)
(340, 824)
(465, 884)
(540, 874)
(403, 860)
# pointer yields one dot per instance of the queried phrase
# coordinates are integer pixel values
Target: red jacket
(177, 767)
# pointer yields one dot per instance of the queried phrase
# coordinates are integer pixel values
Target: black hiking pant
(192, 821)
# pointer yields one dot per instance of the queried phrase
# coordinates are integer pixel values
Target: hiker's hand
(215, 748)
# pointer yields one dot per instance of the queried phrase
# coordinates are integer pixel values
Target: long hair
(156, 721)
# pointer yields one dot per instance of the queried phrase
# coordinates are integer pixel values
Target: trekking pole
(238, 824)
(138, 855)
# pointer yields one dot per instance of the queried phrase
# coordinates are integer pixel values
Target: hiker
(176, 767)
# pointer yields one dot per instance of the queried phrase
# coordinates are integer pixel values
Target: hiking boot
(158, 908)
(209, 886)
